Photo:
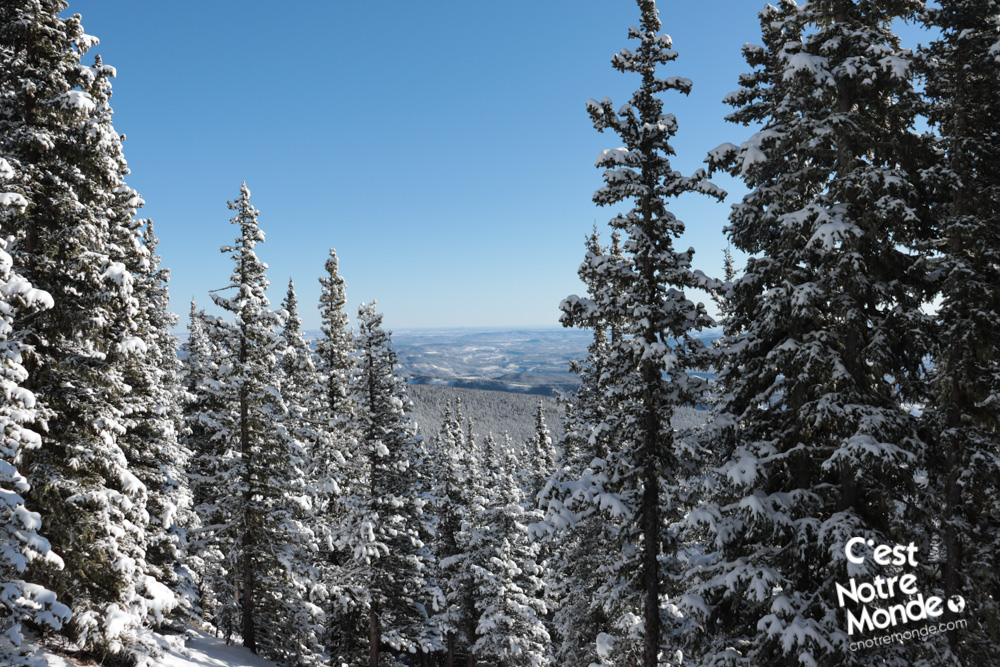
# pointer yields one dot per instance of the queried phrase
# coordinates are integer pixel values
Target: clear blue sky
(442, 147)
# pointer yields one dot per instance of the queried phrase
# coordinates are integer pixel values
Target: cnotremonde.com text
(900, 637)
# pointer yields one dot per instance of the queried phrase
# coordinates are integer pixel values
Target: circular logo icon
(956, 603)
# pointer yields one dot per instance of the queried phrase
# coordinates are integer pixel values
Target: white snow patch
(159, 598)
(132, 345)
(13, 199)
(77, 99)
(116, 620)
(722, 152)
(804, 62)
(198, 650)
(117, 272)
(605, 646)
(131, 483)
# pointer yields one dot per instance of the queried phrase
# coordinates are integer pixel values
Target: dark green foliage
(960, 69)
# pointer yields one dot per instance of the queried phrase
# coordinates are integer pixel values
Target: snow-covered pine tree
(301, 385)
(960, 70)
(539, 456)
(197, 365)
(149, 439)
(20, 541)
(586, 408)
(301, 389)
(152, 418)
(330, 452)
(505, 574)
(334, 345)
(729, 273)
(75, 240)
(425, 478)
(203, 436)
(825, 338)
(649, 365)
(380, 531)
(538, 460)
(460, 479)
(332, 417)
(581, 540)
(257, 482)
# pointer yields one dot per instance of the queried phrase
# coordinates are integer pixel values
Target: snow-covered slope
(198, 650)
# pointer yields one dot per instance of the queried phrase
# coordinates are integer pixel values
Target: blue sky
(441, 147)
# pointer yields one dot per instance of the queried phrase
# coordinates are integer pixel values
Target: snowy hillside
(498, 412)
(531, 361)
(196, 649)
(495, 412)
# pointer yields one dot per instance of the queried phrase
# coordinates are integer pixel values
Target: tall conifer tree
(505, 575)
(649, 364)
(961, 69)
(152, 419)
(77, 240)
(20, 541)
(334, 345)
(257, 480)
(581, 539)
(381, 529)
(459, 481)
(332, 448)
(306, 555)
(824, 337)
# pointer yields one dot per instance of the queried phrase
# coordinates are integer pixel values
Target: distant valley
(451, 364)
(524, 361)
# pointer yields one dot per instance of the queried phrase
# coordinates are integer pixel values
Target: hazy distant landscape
(532, 361)
(499, 375)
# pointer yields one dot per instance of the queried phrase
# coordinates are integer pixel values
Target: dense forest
(839, 507)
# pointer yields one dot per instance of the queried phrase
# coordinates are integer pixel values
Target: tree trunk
(651, 516)
(953, 547)
(373, 636)
(249, 581)
(651, 568)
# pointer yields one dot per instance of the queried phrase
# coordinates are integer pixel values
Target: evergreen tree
(580, 538)
(257, 482)
(960, 69)
(381, 527)
(505, 574)
(76, 240)
(460, 480)
(296, 365)
(20, 542)
(198, 407)
(648, 368)
(425, 481)
(580, 535)
(300, 386)
(539, 456)
(334, 345)
(333, 416)
(153, 419)
(824, 340)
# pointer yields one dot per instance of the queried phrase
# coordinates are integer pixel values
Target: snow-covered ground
(200, 650)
